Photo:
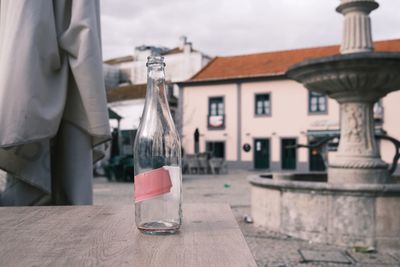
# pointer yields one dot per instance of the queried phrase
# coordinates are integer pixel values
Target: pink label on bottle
(151, 184)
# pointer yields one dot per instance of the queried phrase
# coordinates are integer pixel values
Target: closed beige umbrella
(52, 100)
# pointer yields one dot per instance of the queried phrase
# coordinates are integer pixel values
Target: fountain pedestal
(357, 160)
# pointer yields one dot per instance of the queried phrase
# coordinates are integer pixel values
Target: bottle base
(159, 228)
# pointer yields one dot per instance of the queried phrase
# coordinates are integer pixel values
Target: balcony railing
(216, 122)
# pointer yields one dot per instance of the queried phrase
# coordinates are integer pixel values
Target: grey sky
(230, 27)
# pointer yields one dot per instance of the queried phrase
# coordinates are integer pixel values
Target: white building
(128, 75)
(182, 62)
(247, 111)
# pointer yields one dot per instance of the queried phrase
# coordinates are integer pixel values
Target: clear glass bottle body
(157, 145)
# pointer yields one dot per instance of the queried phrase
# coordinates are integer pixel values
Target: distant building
(126, 79)
(182, 62)
(128, 102)
(251, 114)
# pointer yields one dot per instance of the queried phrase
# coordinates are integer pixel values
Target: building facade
(126, 78)
(248, 112)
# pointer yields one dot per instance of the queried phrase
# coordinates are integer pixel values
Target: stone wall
(348, 215)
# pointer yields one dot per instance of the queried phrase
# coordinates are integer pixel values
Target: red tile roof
(177, 50)
(271, 63)
(133, 91)
(119, 60)
(126, 92)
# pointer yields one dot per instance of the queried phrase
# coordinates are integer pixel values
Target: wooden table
(107, 236)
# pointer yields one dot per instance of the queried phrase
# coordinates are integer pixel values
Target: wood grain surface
(107, 236)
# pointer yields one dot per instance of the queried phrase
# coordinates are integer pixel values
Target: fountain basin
(347, 77)
(342, 214)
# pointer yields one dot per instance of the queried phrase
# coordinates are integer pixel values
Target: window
(263, 104)
(216, 113)
(317, 103)
(216, 106)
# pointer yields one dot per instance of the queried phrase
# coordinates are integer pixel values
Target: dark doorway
(216, 149)
(316, 162)
(288, 154)
(261, 153)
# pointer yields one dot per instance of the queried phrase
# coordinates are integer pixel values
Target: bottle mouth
(155, 60)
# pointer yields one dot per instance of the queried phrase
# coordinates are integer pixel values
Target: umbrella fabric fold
(52, 99)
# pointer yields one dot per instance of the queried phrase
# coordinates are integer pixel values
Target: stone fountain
(360, 203)
(356, 79)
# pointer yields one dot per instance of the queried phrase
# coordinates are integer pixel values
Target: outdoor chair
(218, 165)
(203, 164)
(192, 164)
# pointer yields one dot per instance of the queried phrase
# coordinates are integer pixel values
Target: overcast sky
(231, 27)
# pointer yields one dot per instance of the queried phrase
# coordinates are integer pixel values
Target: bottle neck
(156, 96)
(156, 88)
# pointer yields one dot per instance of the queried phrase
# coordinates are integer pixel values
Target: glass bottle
(157, 159)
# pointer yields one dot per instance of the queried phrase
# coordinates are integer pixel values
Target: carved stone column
(357, 159)
(357, 35)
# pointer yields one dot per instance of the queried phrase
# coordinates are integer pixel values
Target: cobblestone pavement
(269, 249)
